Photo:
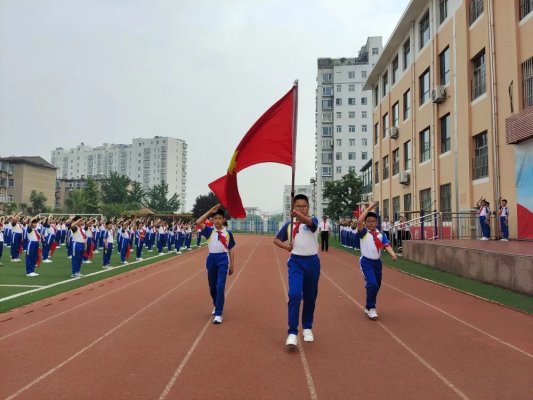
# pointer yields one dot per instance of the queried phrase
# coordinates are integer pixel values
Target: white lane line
(111, 331)
(404, 345)
(97, 298)
(525, 353)
(37, 286)
(185, 360)
(307, 370)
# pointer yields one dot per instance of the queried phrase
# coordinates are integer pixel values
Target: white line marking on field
(57, 367)
(307, 369)
(404, 345)
(455, 318)
(183, 363)
(94, 299)
(37, 286)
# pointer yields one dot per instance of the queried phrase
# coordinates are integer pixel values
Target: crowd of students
(39, 237)
(395, 232)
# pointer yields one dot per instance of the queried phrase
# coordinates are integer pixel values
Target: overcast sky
(98, 71)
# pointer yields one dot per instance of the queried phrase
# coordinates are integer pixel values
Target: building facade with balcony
(6, 171)
(449, 78)
(147, 161)
(343, 116)
(26, 174)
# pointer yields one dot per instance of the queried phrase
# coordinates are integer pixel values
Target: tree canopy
(343, 195)
(157, 199)
(203, 203)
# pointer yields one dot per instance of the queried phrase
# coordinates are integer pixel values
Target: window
(363, 128)
(338, 128)
(423, 29)
(326, 91)
(351, 88)
(384, 83)
(526, 6)
(339, 88)
(443, 10)
(376, 172)
(327, 104)
(11, 182)
(396, 161)
(385, 210)
(327, 77)
(351, 142)
(396, 205)
(375, 51)
(478, 75)
(407, 202)
(375, 94)
(395, 70)
(351, 155)
(326, 171)
(338, 170)
(364, 142)
(424, 86)
(338, 115)
(445, 197)
(363, 74)
(351, 128)
(445, 140)
(444, 66)
(351, 74)
(327, 158)
(363, 114)
(376, 134)
(327, 131)
(338, 142)
(351, 168)
(363, 101)
(406, 54)
(481, 156)
(327, 117)
(385, 124)
(425, 145)
(327, 143)
(386, 167)
(351, 114)
(407, 104)
(476, 9)
(527, 81)
(338, 101)
(364, 155)
(396, 114)
(338, 156)
(351, 101)
(425, 200)
(407, 155)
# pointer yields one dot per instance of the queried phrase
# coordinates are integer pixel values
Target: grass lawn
(493, 293)
(13, 277)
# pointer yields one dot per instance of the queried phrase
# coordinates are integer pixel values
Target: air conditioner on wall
(393, 132)
(438, 94)
(365, 197)
(404, 178)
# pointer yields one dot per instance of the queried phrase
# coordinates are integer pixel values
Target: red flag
(270, 139)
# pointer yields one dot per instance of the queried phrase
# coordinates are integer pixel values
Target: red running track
(147, 334)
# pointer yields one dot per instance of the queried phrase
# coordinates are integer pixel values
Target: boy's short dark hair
(371, 214)
(219, 212)
(301, 197)
(504, 200)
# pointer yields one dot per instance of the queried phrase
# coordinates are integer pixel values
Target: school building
(452, 96)
(26, 174)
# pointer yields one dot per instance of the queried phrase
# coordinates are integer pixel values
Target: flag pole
(294, 131)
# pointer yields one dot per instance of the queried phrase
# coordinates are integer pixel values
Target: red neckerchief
(296, 228)
(82, 233)
(37, 235)
(222, 239)
(377, 242)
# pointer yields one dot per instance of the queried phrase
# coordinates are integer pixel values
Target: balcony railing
(526, 6)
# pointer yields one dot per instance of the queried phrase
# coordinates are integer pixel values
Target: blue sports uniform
(304, 273)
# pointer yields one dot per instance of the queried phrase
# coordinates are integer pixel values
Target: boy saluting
(304, 268)
(220, 260)
(372, 241)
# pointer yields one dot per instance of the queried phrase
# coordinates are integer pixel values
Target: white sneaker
(89, 262)
(308, 335)
(47, 261)
(32, 274)
(74, 275)
(80, 275)
(213, 312)
(292, 340)
(179, 252)
(484, 238)
(96, 252)
(504, 240)
(69, 257)
(217, 320)
(372, 313)
(125, 262)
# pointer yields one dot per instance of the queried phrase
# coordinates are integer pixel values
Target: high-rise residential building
(6, 170)
(452, 110)
(147, 161)
(343, 116)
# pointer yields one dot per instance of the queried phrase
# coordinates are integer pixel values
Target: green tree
(115, 189)
(38, 203)
(10, 208)
(90, 197)
(75, 202)
(203, 203)
(136, 196)
(158, 201)
(343, 195)
(113, 209)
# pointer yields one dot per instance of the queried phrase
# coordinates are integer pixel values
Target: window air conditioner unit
(365, 197)
(393, 132)
(404, 178)
(438, 95)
